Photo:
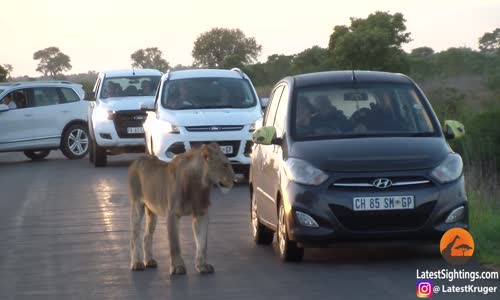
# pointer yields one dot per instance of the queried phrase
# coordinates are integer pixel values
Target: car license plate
(227, 149)
(383, 203)
(132, 130)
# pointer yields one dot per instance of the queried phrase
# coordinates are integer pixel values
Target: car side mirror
(264, 102)
(147, 107)
(4, 107)
(453, 129)
(266, 136)
(89, 96)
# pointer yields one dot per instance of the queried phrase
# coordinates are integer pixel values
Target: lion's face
(219, 170)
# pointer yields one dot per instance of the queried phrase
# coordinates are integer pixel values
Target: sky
(100, 35)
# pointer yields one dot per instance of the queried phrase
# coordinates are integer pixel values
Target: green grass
(485, 226)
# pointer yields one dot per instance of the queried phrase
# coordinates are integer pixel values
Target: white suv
(115, 118)
(193, 107)
(39, 116)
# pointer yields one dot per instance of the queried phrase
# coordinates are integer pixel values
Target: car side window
(69, 95)
(280, 118)
(45, 96)
(16, 99)
(271, 110)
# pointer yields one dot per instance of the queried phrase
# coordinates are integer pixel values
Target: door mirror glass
(453, 129)
(264, 102)
(147, 107)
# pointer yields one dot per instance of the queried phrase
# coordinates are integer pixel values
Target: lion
(171, 190)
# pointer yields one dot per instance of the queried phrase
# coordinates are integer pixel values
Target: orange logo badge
(457, 246)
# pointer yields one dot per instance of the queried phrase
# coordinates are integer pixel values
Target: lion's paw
(178, 270)
(205, 269)
(138, 266)
(151, 264)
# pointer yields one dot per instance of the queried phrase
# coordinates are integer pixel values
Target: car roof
(333, 77)
(204, 73)
(132, 72)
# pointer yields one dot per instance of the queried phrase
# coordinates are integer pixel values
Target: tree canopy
(3, 74)
(490, 42)
(52, 61)
(149, 58)
(225, 48)
(422, 52)
(373, 43)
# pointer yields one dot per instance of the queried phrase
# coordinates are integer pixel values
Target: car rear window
(205, 93)
(359, 110)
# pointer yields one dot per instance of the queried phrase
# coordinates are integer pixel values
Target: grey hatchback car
(353, 156)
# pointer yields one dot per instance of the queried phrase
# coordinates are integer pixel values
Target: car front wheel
(99, 155)
(37, 155)
(289, 251)
(261, 234)
(75, 142)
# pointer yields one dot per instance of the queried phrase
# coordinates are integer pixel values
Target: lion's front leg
(177, 265)
(200, 231)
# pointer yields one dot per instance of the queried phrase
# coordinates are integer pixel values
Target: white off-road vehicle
(193, 107)
(115, 118)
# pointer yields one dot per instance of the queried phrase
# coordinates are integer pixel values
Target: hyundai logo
(382, 183)
(214, 128)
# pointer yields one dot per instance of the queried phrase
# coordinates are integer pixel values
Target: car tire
(37, 155)
(100, 156)
(261, 234)
(75, 142)
(288, 250)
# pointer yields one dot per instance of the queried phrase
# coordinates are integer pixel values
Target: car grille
(126, 119)
(366, 183)
(235, 144)
(212, 128)
(383, 220)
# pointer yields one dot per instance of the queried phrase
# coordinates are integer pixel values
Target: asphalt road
(64, 232)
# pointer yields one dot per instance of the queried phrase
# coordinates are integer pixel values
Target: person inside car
(7, 100)
(146, 89)
(328, 115)
(182, 99)
(304, 113)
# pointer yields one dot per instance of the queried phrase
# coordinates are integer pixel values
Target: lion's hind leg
(148, 239)
(137, 213)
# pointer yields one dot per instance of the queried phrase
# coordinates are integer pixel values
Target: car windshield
(195, 93)
(360, 111)
(130, 86)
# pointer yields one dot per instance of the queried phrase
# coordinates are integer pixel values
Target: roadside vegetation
(461, 83)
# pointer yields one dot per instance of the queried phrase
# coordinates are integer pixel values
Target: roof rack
(168, 74)
(239, 72)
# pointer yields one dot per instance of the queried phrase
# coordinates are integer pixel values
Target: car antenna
(353, 74)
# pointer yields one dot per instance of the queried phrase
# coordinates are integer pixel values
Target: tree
(490, 42)
(3, 74)
(225, 48)
(373, 43)
(149, 58)
(314, 59)
(422, 52)
(52, 61)
(8, 68)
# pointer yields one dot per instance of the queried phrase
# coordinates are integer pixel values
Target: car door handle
(65, 111)
(28, 115)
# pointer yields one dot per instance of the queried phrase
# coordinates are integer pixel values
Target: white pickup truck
(115, 117)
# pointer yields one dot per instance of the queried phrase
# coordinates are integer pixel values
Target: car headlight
(103, 114)
(300, 171)
(256, 125)
(167, 128)
(449, 170)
